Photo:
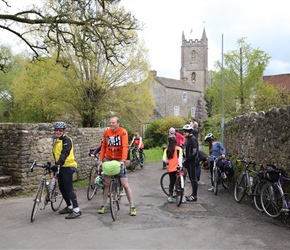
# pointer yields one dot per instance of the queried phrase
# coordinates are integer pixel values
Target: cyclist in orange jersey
(115, 147)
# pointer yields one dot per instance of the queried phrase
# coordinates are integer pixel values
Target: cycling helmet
(60, 125)
(171, 138)
(208, 137)
(187, 128)
(171, 131)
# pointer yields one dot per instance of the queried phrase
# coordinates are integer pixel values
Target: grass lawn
(153, 154)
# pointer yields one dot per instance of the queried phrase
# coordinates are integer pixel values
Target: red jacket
(180, 139)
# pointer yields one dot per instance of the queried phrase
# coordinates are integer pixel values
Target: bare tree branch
(46, 29)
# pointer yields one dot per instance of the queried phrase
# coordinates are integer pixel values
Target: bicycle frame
(53, 196)
(286, 204)
(216, 174)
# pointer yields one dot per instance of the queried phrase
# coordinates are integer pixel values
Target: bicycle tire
(144, 160)
(240, 187)
(114, 199)
(38, 199)
(164, 183)
(133, 161)
(215, 181)
(56, 197)
(272, 199)
(257, 195)
(92, 187)
(179, 190)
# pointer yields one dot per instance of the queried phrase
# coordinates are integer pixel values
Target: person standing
(63, 153)
(115, 147)
(139, 145)
(215, 149)
(191, 160)
(172, 157)
(180, 139)
(195, 127)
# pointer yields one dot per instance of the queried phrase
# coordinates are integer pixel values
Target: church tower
(194, 62)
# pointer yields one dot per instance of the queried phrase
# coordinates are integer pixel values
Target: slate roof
(176, 84)
(282, 80)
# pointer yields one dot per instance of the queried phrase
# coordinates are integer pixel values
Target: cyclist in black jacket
(191, 159)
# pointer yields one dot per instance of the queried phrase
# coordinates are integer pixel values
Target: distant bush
(157, 132)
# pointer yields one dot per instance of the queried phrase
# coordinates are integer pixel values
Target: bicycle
(273, 198)
(135, 159)
(218, 176)
(95, 182)
(179, 185)
(115, 190)
(52, 194)
(245, 183)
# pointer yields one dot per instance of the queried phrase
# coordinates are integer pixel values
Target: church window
(184, 96)
(193, 77)
(193, 56)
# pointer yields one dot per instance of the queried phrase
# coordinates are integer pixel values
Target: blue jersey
(217, 150)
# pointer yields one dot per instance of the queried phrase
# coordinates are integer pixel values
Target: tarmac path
(213, 222)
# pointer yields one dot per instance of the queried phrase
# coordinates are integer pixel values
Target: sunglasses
(58, 130)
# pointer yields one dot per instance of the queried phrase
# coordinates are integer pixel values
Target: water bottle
(251, 181)
(48, 186)
(52, 184)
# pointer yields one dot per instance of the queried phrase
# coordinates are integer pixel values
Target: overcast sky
(265, 24)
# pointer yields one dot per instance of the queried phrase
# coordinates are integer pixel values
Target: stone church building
(178, 97)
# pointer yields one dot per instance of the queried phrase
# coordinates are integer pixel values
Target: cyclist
(172, 156)
(115, 147)
(191, 159)
(180, 139)
(63, 153)
(139, 145)
(215, 149)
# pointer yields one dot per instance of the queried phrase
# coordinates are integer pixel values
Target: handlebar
(35, 164)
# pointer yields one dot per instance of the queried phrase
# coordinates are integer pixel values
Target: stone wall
(22, 143)
(262, 137)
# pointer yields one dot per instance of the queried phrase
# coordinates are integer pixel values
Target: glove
(54, 168)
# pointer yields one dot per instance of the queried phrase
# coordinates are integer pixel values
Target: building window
(193, 110)
(193, 77)
(184, 96)
(193, 56)
(176, 110)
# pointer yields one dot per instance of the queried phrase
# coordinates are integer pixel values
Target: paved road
(213, 222)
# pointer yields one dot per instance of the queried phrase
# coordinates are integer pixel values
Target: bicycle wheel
(114, 199)
(92, 187)
(215, 181)
(272, 199)
(144, 160)
(56, 197)
(179, 189)
(257, 195)
(164, 183)
(133, 162)
(240, 187)
(38, 199)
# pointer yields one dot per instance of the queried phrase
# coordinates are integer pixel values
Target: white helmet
(208, 137)
(187, 128)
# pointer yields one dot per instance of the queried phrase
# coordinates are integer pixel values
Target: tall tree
(53, 20)
(242, 72)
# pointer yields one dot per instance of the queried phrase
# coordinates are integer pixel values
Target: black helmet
(171, 138)
(208, 137)
(59, 125)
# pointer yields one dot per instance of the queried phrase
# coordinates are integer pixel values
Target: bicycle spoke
(272, 200)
